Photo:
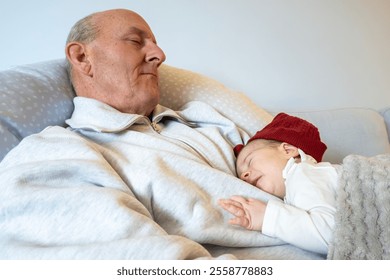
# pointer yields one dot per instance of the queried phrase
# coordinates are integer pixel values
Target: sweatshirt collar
(91, 114)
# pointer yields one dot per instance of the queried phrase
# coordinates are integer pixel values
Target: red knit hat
(293, 130)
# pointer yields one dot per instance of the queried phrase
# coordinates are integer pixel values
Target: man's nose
(155, 54)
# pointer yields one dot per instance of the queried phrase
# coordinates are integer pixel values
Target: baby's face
(262, 166)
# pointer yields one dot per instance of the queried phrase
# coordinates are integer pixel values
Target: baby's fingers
(239, 199)
(239, 221)
(232, 207)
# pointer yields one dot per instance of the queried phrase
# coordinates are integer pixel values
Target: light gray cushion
(349, 131)
(31, 98)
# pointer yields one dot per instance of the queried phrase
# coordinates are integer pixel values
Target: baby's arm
(249, 213)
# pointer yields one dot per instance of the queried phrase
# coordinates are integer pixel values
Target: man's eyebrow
(136, 30)
(140, 32)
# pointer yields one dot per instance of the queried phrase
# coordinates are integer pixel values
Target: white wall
(290, 54)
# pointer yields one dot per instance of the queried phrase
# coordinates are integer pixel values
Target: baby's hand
(249, 213)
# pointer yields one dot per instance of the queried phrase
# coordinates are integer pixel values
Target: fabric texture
(363, 214)
(111, 179)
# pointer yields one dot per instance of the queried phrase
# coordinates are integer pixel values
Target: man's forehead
(131, 24)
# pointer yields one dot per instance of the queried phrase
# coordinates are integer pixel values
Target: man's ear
(77, 56)
(289, 150)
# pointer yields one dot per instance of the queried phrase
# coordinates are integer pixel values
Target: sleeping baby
(284, 159)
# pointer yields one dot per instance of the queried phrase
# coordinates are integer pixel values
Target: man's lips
(150, 74)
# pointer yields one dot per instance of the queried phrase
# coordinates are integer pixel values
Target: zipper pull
(155, 127)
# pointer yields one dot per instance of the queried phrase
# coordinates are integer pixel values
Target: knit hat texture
(293, 130)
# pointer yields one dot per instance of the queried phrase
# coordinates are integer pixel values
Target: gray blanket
(362, 222)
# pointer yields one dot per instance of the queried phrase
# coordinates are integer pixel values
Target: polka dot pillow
(179, 86)
(38, 95)
(31, 98)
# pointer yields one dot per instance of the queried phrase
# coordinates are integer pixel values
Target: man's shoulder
(51, 132)
(57, 136)
(54, 142)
